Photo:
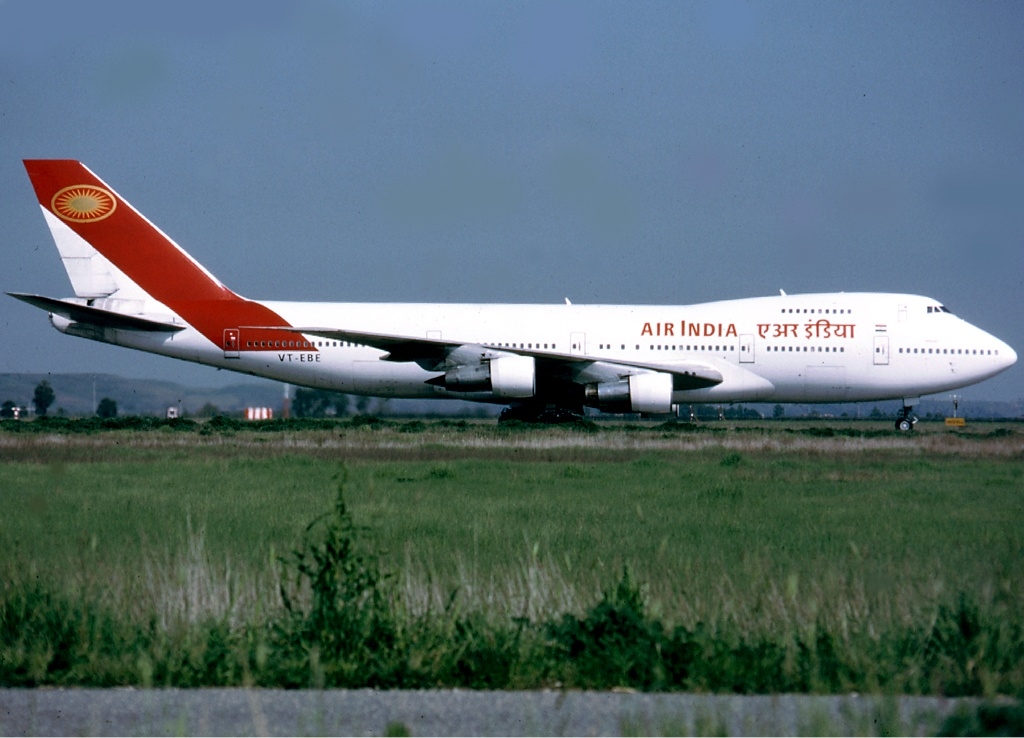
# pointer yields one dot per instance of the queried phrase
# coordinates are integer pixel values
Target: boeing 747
(135, 287)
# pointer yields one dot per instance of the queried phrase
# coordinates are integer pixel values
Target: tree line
(308, 403)
(43, 397)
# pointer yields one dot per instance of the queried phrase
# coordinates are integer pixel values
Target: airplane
(135, 287)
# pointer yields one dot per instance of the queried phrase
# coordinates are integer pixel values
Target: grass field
(745, 534)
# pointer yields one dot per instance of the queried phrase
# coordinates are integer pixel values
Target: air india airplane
(135, 287)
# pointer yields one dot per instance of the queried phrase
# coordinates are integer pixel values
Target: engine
(504, 377)
(637, 393)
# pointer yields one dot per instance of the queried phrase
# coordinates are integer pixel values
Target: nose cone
(1007, 356)
(995, 358)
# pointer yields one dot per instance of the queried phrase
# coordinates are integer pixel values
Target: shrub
(613, 645)
(347, 635)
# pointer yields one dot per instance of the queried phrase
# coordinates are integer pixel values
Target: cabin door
(747, 349)
(231, 342)
(881, 350)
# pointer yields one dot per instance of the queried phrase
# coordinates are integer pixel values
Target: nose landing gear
(906, 420)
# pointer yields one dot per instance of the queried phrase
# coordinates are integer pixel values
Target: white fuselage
(838, 347)
(135, 287)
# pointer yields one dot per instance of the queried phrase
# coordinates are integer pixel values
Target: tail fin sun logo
(83, 203)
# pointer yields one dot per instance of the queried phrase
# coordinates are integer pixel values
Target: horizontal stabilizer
(96, 316)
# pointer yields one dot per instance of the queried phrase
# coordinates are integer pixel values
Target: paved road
(454, 712)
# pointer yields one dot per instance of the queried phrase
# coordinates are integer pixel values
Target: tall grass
(339, 621)
(720, 568)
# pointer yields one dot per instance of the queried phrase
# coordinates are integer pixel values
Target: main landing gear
(540, 413)
(906, 420)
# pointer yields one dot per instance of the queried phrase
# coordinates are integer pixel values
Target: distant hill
(75, 394)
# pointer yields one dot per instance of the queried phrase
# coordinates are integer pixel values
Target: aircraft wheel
(557, 415)
(539, 414)
(903, 425)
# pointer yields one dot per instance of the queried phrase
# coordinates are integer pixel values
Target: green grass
(689, 526)
(869, 564)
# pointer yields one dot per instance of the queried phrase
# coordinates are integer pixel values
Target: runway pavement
(60, 712)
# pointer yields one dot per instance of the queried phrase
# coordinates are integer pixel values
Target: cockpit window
(939, 309)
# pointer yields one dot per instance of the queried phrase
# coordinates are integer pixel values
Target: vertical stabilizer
(110, 250)
(107, 245)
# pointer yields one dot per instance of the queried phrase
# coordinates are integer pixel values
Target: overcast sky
(527, 152)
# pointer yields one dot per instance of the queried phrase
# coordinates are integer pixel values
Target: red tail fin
(114, 228)
(109, 224)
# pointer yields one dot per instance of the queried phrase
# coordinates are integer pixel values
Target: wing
(441, 355)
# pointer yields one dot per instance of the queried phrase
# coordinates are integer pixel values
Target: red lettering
(668, 329)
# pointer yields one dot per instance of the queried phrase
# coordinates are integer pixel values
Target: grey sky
(525, 152)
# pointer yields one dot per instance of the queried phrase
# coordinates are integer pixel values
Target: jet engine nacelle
(637, 393)
(504, 377)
